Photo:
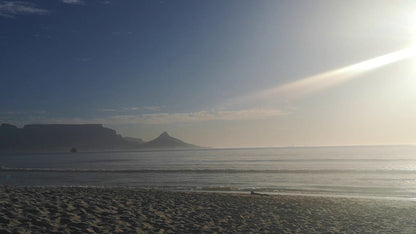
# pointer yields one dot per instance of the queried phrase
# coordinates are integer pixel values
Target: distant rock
(57, 137)
(133, 139)
(166, 141)
(83, 137)
(7, 126)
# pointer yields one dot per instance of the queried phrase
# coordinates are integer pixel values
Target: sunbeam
(299, 88)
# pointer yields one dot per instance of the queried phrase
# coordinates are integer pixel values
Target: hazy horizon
(223, 74)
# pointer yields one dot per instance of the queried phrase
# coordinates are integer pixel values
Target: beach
(104, 210)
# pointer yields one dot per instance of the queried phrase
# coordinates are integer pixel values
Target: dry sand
(64, 210)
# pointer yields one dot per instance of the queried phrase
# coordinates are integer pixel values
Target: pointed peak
(166, 141)
(164, 134)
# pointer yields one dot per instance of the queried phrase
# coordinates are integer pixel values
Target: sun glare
(334, 77)
(383, 60)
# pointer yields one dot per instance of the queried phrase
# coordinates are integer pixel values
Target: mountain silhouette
(166, 141)
(133, 139)
(82, 137)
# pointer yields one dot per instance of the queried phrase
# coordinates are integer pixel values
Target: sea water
(377, 171)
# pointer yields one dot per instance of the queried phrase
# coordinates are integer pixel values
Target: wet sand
(100, 210)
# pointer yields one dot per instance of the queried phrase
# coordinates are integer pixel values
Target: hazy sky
(214, 73)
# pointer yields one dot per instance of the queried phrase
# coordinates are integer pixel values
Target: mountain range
(82, 137)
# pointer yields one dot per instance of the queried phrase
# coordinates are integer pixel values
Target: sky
(234, 73)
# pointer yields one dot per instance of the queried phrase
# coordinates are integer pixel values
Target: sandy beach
(101, 210)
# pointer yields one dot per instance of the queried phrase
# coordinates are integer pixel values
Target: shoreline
(200, 148)
(282, 192)
(305, 194)
(97, 210)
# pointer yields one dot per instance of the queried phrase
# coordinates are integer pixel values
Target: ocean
(366, 171)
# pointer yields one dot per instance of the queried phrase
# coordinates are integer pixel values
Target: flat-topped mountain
(82, 137)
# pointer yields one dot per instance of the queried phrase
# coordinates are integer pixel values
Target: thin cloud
(133, 109)
(31, 112)
(152, 108)
(74, 2)
(7, 113)
(145, 108)
(107, 110)
(167, 118)
(193, 117)
(11, 9)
